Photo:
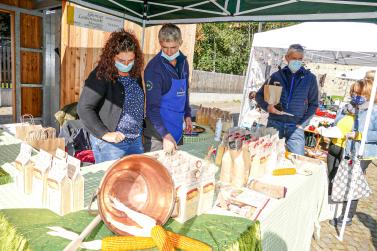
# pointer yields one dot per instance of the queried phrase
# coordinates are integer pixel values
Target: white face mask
(170, 58)
(294, 65)
(124, 68)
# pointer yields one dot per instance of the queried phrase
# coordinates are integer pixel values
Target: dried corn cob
(126, 243)
(186, 243)
(161, 239)
(284, 171)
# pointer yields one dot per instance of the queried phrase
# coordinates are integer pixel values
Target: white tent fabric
(328, 36)
(354, 75)
(338, 42)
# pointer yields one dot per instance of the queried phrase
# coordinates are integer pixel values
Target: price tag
(73, 167)
(61, 154)
(25, 154)
(58, 170)
(43, 161)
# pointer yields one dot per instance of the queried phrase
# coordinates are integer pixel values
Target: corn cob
(284, 171)
(161, 239)
(186, 243)
(126, 243)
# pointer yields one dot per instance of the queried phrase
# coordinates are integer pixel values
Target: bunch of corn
(164, 240)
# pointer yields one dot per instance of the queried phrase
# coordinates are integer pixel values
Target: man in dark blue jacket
(299, 98)
(166, 81)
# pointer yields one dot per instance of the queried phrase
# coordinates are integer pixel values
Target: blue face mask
(294, 65)
(124, 68)
(170, 58)
(358, 100)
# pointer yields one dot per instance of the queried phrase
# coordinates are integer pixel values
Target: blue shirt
(131, 119)
(158, 77)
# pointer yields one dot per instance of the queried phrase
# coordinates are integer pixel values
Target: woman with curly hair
(111, 104)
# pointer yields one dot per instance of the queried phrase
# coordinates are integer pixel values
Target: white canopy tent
(354, 75)
(343, 43)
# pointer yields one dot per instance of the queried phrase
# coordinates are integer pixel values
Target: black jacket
(100, 105)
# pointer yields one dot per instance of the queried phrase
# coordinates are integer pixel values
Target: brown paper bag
(272, 94)
(24, 127)
(44, 138)
(49, 145)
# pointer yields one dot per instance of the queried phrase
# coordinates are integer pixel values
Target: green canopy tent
(195, 11)
(147, 13)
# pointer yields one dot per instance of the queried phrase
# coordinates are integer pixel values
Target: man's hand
(300, 127)
(113, 137)
(272, 109)
(188, 123)
(168, 144)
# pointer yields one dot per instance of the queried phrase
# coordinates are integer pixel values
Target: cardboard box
(39, 176)
(58, 188)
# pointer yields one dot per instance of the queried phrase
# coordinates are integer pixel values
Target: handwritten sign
(93, 20)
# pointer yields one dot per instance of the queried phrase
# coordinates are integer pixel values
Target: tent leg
(143, 36)
(260, 26)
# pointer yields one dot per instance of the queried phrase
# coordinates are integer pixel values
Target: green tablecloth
(26, 229)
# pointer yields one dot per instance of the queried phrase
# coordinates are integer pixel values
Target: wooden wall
(26, 4)
(31, 64)
(81, 48)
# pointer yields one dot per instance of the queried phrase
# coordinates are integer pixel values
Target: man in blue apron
(299, 100)
(166, 82)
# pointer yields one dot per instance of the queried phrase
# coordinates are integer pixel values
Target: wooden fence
(203, 81)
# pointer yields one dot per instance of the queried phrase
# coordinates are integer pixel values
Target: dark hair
(119, 41)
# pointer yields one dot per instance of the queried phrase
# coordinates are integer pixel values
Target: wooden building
(51, 58)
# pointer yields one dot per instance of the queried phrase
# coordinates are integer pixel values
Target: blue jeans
(104, 151)
(294, 137)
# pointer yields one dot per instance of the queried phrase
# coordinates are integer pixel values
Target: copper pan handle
(176, 209)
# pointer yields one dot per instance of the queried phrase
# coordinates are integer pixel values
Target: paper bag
(23, 130)
(44, 138)
(24, 127)
(272, 94)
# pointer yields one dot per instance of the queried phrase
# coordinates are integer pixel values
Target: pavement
(362, 234)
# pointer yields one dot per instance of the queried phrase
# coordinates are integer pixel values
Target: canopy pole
(359, 155)
(143, 36)
(144, 21)
(260, 26)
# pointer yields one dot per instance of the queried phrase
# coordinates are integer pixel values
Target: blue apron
(172, 108)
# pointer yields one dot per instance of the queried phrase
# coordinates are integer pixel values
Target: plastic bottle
(218, 131)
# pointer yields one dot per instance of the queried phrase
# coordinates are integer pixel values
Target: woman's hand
(168, 144)
(351, 135)
(113, 137)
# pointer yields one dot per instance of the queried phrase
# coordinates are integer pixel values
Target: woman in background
(351, 121)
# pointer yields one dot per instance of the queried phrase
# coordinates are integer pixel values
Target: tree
(225, 47)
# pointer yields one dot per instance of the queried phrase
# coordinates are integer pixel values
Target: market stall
(282, 220)
(286, 223)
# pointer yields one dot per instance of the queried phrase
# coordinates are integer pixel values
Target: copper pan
(141, 183)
